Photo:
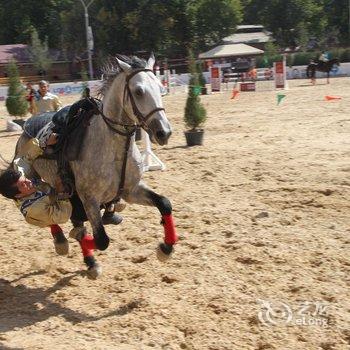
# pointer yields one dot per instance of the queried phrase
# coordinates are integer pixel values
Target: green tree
(73, 36)
(195, 113)
(289, 20)
(18, 17)
(216, 19)
(338, 19)
(201, 78)
(16, 102)
(39, 53)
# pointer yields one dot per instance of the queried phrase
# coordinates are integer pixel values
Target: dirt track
(263, 213)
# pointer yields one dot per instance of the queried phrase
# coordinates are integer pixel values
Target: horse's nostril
(161, 135)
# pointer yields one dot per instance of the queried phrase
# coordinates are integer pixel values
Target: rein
(128, 134)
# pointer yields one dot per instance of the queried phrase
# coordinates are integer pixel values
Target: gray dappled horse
(109, 167)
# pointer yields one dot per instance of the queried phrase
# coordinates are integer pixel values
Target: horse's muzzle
(159, 132)
(162, 137)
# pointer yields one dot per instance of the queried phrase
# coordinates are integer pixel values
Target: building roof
(249, 28)
(19, 52)
(248, 38)
(229, 50)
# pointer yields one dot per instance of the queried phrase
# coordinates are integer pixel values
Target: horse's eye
(139, 92)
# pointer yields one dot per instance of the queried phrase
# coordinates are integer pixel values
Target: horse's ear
(123, 65)
(151, 61)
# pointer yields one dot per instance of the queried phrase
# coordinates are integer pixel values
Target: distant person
(44, 101)
(31, 94)
(324, 57)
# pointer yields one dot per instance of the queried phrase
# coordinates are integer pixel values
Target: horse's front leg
(92, 208)
(144, 196)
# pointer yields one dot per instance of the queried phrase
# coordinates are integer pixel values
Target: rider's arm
(31, 151)
(45, 212)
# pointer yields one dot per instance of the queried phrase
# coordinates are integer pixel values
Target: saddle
(70, 123)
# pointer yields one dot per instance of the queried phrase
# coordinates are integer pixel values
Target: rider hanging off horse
(323, 64)
(45, 206)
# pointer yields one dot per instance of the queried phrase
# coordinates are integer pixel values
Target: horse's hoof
(61, 244)
(120, 206)
(102, 242)
(109, 218)
(94, 272)
(164, 251)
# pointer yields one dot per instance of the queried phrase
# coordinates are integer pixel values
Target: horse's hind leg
(144, 196)
(79, 233)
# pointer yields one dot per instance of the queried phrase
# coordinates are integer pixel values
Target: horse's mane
(111, 69)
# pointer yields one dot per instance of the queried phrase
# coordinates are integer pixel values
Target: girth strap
(123, 172)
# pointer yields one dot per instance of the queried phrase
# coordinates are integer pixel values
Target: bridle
(127, 93)
(129, 129)
(142, 119)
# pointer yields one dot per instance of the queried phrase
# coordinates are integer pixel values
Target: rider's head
(8, 183)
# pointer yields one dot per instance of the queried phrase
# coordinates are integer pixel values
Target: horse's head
(142, 98)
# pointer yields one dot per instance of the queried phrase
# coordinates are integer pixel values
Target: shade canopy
(229, 50)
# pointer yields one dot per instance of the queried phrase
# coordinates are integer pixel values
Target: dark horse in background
(320, 66)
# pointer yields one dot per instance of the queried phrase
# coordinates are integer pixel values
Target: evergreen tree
(201, 78)
(16, 102)
(195, 113)
(39, 53)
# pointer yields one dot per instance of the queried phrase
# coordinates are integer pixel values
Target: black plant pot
(204, 91)
(194, 138)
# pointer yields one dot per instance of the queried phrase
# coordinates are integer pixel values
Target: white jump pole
(149, 159)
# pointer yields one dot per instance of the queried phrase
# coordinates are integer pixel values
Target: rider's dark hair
(8, 179)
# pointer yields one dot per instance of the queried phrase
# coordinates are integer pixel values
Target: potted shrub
(195, 113)
(16, 102)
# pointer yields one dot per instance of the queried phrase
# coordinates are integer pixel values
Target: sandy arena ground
(263, 213)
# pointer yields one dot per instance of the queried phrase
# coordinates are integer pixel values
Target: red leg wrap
(55, 229)
(87, 245)
(169, 229)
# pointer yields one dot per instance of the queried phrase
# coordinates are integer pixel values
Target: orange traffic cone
(235, 92)
(330, 98)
